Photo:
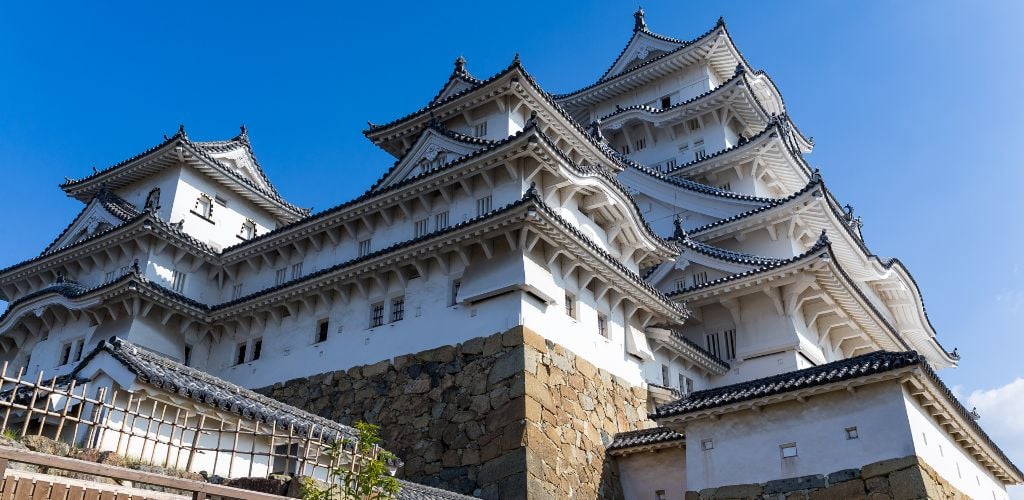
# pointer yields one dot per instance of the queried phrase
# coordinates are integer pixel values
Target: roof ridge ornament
(679, 233)
(243, 135)
(721, 21)
(460, 65)
(639, 23)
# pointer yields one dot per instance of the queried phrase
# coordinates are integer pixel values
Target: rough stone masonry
(509, 415)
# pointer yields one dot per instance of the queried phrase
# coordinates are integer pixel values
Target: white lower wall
(747, 443)
(934, 445)
(647, 472)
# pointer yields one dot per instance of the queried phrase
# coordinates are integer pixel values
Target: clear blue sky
(915, 107)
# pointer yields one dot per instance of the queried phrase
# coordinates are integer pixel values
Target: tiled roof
(776, 123)
(459, 73)
(643, 437)
(688, 184)
(836, 371)
(117, 206)
(815, 182)
(727, 255)
(174, 377)
(415, 491)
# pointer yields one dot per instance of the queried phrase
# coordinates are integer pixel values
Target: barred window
(397, 308)
(699, 278)
(377, 315)
(712, 344)
(364, 247)
(420, 228)
(483, 205)
(441, 220)
(296, 270)
(280, 276)
(177, 281)
(236, 291)
(730, 344)
(480, 129)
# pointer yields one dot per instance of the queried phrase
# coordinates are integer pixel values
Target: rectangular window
(625, 149)
(204, 207)
(364, 247)
(177, 281)
(455, 292)
(680, 285)
(257, 349)
(240, 353)
(480, 129)
(321, 331)
(377, 315)
(685, 384)
(707, 444)
(296, 270)
(670, 164)
(65, 354)
(441, 220)
(248, 230)
(280, 276)
(570, 306)
(419, 228)
(397, 308)
(236, 291)
(730, 344)
(109, 276)
(666, 102)
(483, 205)
(693, 124)
(602, 325)
(187, 361)
(712, 344)
(788, 450)
(699, 278)
(660, 495)
(665, 375)
(641, 143)
(79, 345)
(851, 433)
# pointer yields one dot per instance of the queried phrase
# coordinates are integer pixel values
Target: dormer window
(204, 207)
(248, 230)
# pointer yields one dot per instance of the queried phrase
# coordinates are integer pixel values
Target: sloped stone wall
(509, 415)
(895, 479)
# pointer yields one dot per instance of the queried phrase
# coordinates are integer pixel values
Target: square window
(851, 433)
(788, 450)
(397, 308)
(707, 444)
(321, 330)
(377, 314)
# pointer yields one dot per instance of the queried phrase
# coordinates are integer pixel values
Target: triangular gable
(104, 212)
(642, 47)
(236, 156)
(454, 86)
(434, 147)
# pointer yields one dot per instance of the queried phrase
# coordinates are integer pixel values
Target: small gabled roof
(645, 439)
(434, 138)
(639, 46)
(105, 199)
(247, 176)
(458, 81)
(169, 375)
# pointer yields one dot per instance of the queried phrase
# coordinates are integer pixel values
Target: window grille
(79, 345)
(712, 344)
(177, 281)
(296, 270)
(693, 124)
(641, 143)
(699, 278)
(851, 433)
(625, 149)
(236, 291)
(420, 228)
(377, 315)
(730, 344)
(698, 150)
(480, 129)
(397, 308)
(364, 247)
(685, 384)
(680, 285)
(280, 276)
(670, 164)
(483, 205)
(441, 220)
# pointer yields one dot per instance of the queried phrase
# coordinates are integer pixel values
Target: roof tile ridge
(167, 141)
(739, 75)
(814, 182)
(692, 185)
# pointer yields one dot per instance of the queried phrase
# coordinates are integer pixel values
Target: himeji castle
(639, 289)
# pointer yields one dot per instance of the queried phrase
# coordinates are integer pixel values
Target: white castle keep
(661, 225)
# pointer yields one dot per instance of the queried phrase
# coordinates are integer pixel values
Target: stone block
(512, 337)
(738, 491)
(794, 484)
(417, 386)
(853, 488)
(844, 475)
(505, 465)
(532, 339)
(506, 366)
(378, 368)
(878, 484)
(472, 346)
(908, 483)
(443, 354)
(887, 466)
(492, 345)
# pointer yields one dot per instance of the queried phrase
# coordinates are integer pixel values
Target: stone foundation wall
(505, 416)
(897, 479)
